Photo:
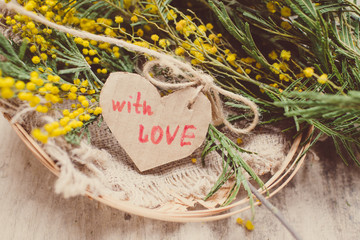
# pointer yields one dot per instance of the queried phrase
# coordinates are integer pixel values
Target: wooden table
(321, 202)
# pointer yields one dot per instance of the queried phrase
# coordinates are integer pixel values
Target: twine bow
(206, 85)
(204, 81)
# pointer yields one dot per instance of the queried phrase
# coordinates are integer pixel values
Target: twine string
(178, 67)
(196, 94)
(208, 87)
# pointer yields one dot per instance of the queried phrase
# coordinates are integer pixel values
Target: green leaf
(234, 165)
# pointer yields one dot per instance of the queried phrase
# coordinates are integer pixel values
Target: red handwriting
(118, 106)
(146, 109)
(169, 138)
(183, 135)
(157, 134)
(141, 133)
(154, 130)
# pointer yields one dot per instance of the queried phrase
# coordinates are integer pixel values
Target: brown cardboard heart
(153, 130)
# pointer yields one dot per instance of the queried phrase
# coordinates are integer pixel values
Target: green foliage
(70, 55)
(325, 36)
(233, 165)
(241, 31)
(14, 65)
(95, 8)
(335, 115)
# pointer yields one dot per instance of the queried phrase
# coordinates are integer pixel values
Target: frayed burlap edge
(103, 167)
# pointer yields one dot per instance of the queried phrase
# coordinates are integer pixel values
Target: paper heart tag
(153, 130)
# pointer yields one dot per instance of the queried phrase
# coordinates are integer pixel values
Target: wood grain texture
(321, 202)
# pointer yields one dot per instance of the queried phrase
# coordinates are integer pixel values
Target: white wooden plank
(321, 202)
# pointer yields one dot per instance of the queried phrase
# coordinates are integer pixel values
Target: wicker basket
(287, 171)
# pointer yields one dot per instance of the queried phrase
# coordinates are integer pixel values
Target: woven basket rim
(280, 179)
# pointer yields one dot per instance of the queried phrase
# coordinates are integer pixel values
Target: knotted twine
(175, 188)
(203, 81)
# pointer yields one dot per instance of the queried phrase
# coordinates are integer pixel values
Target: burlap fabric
(104, 168)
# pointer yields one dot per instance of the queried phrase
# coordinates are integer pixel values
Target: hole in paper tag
(153, 130)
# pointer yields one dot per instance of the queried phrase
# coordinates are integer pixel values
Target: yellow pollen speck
(323, 79)
(134, 19)
(285, 25)
(119, 19)
(249, 226)
(155, 37)
(308, 72)
(271, 7)
(35, 60)
(240, 221)
(179, 51)
(239, 141)
(285, 12)
(164, 43)
(273, 55)
(286, 55)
